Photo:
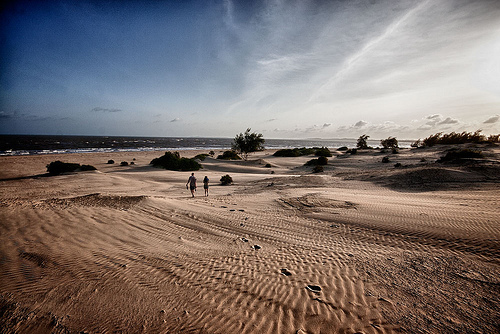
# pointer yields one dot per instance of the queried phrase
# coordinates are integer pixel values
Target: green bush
(385, 160)
(124, 163)
(459, 155)
(248, 143)
(229, 155)
(322, 152)
(343, 148)
(316, 162)
(173, 161)
(493, 138)
(59, 167)
(293, 152)
(456, 138)
(390, 142)
(352, 151)
(226, 180)
(268, 166)
(201, 157)
(84, 168)
(431, 140)
(110, 162)
(362, 142)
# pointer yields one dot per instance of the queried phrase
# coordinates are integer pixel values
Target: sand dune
(361, 248)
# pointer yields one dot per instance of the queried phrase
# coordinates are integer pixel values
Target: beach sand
(364, 247)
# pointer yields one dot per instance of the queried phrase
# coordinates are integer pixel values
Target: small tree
(362, 142)
(390, 142)
(248, 143)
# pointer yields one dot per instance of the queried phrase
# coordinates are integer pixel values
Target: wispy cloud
(99, 109)
(177, 119)
(26, 116)
(4, 115)
(351, 61)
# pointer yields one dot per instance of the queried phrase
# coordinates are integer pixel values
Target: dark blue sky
(284, 68)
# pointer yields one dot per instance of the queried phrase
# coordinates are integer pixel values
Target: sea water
(39, 144)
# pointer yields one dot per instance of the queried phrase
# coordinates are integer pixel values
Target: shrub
(385, 160)
(201, 157)
(322, 152)
(397, 165)
(229, 155)
(390, 142)
(248, 143)
(343, 148)
(123, 163)
(226, 180)
(59, 167)
(362, 142)
(322, 160)
(318, 169)
(456, 138)
(211, 153)
(417, 143)
(84, 168)
(132, 163)
(352, 151)
(173, 161)
(493, 138)
(395, 151)
(431, 140)
(459, 155)
(110, 162)
(294, 152)
(316, 162)
(268, 166)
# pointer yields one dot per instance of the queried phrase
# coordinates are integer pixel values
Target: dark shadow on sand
(26, 177)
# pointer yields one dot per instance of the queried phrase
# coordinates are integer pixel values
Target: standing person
(205, 185)
(192, 184)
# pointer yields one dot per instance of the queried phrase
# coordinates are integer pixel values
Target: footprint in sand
(285, 272)
(313, 288)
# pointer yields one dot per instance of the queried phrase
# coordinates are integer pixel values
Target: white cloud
(448, 120)
(492, 119)
(360, 124)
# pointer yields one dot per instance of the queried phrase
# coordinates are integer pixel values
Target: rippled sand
(363, 247)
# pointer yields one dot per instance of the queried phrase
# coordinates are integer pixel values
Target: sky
(286, 69)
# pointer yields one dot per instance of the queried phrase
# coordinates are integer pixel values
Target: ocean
(39, 144)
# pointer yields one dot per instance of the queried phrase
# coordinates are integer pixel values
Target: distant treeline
(456, 138)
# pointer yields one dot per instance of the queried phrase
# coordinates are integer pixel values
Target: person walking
(205, 185)
(192, 184)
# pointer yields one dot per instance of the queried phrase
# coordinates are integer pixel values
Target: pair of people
(191, 183)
